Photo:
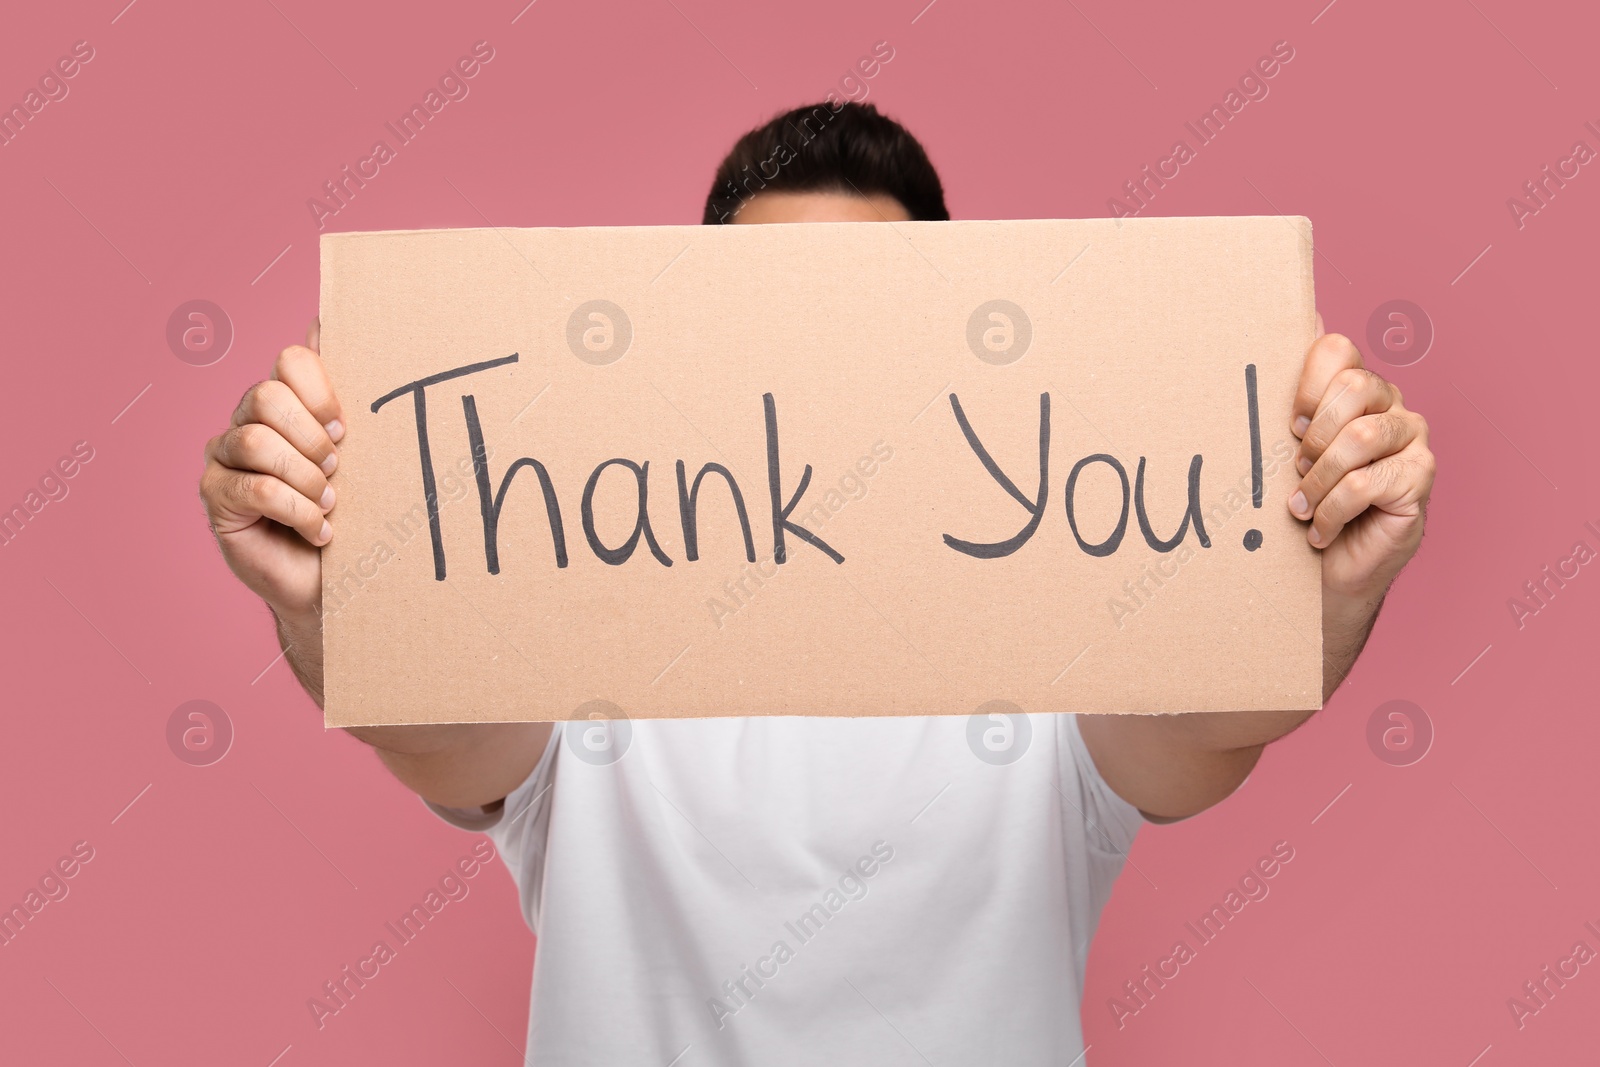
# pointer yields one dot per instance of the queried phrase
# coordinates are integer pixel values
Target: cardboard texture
(919, 573)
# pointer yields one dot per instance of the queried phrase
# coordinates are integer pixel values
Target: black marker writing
(641, 523)
(1135, 497)
(688, 510)
(1252, 538)
(491, 500)
(781, 511)
(1109, 545)
(1193, 511)
(490, 506)
(1035, 507)
(419, 394)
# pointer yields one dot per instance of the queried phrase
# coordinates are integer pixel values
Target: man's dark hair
(851, 149)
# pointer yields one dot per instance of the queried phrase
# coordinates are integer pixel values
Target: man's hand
(1365, 476)
(268, 498)
(266, 492)
(1366, 473)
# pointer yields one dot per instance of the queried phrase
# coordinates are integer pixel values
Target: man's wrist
(1346, 623)
(300, 637)
(1345, 614)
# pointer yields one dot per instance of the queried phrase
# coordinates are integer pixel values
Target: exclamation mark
(1252, 538)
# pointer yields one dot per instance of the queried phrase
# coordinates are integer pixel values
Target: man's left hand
(1366, 473)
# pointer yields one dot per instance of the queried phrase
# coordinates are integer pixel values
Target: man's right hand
(267, 497)
(266, 490)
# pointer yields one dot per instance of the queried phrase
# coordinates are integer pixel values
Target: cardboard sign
(818, 469)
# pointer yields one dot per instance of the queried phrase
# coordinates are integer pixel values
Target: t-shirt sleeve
(1099, 828)
(520, 829)
(1110, 821)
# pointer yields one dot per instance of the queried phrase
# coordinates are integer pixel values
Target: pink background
(179, 167)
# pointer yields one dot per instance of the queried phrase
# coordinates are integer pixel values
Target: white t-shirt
(811, 890)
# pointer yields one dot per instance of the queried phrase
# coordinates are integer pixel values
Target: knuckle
(1395, 431)
(263, 494)
(242, 440)
(249, 403)
(1363, 480)
(1429, 465)
(288, 360)
(1350, 379)
(218, 449)
(274, 392)
(1384, 434)
(1340, 346)
(303, 365)
(263, 402)
(208, 484)
(1420, 425)
(1365, 434)
(236, 491)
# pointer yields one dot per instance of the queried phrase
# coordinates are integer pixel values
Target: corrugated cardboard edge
(1298, 222)
(1308, 289)
(326, 249)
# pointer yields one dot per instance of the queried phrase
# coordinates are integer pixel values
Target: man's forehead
(820, 206)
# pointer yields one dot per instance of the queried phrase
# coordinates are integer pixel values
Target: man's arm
(454, 765)
(266, 494)
(1366, 473)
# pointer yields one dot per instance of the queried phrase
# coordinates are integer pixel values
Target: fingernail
(1315, 535)
(331, 460)
(324, 534)
(1304, 466)
(1297, 504)
(335, 429)
(327, 498)
(1301, 425)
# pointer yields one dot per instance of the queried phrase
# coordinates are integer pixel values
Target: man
(787, 890)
